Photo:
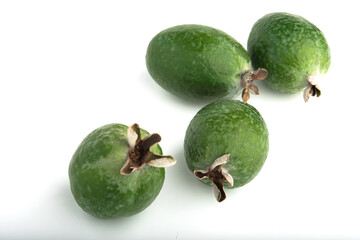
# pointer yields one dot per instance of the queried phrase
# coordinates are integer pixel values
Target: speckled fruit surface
(292, 50)
(228, 127)
(95, 179)
(197, 62)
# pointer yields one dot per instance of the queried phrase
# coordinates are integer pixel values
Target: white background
(68, 67)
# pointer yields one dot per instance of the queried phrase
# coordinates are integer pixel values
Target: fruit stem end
(311, 91)
(217, 175)
(139, 153)
(247, 82)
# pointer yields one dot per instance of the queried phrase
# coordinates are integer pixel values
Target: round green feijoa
(226, 145)
(115, 172)
(198, 62)
(293, 50)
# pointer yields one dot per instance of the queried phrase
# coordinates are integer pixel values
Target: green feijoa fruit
(293, 50)
(198, 62)
(115, 172)
(226, 145)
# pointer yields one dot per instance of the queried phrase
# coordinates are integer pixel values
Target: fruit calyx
(217, 175)
(312, 89)
(247, 82)
(139, 152)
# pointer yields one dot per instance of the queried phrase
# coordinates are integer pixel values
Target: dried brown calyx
(139, 153)
(217, 174)
(247, 82)
(312, 89)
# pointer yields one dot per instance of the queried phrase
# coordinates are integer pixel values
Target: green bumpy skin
(197, 62)
(95, 179)
(228, 127)
(291, 48)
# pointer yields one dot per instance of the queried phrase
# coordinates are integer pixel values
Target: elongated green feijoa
(198, 62)
(112, 172)
(292, 49)
(227, 143)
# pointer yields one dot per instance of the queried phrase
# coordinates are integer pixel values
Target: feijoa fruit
(117, 171)
(198, 62)
(293, 50)
(226, 145)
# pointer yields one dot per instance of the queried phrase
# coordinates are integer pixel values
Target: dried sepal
(307, 93)
(155, 160)
(260, 74)
(317, 90)
(245, 95)
(133, 134)
(220, 161)
(200, 174)
(253, 89)
(147, 142)
(217, 175)
(228, 177)
(139, 153)
(127, 168)
(219, 192)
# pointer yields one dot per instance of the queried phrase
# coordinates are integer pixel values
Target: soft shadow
(149, 83)
(265, 93)
(279, 237)
(268, 92)
(68, 207)
(184, 180)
